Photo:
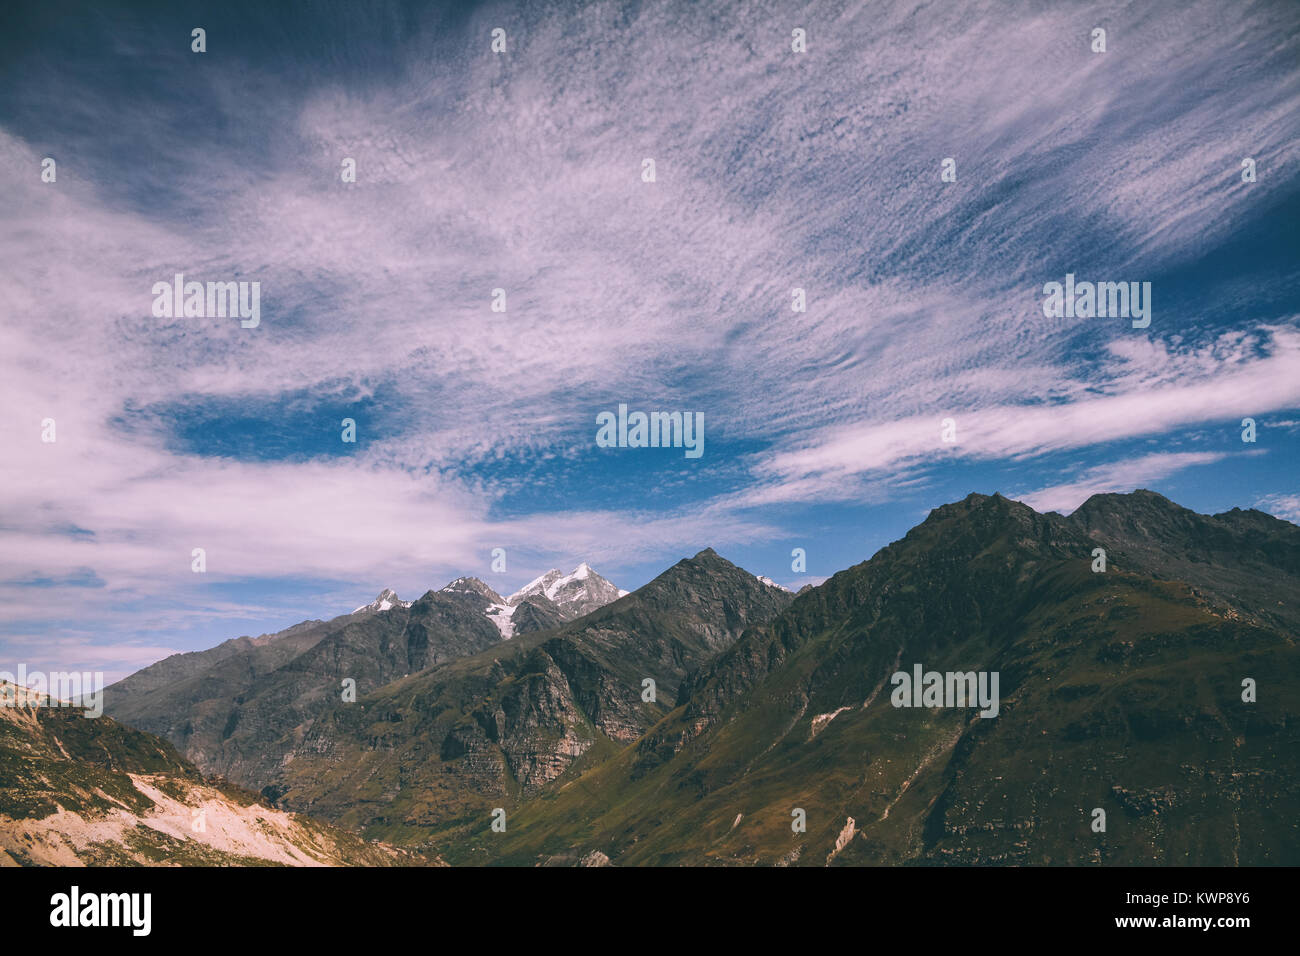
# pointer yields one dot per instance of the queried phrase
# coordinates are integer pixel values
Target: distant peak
(1137, 494)
(1141, 499)
(387, 600)
(579, 592)
(976, 503)
(475, 586)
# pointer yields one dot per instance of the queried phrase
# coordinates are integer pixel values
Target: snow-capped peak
(538, 584)
(579, 592)
(770, 583)
(387, 600)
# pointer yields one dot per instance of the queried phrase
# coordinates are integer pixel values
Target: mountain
(575, 594)
(1120, 691)
(473, 586)
(534, 613)
(1232, 558)
(386, 601)
(91, 792)
(439, 748)
(543, 603)
(237, 709)
(227, 708)
(1125, 690)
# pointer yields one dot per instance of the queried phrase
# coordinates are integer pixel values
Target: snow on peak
(386, 601)
(770, 583)
(541, 584)
(579, 592)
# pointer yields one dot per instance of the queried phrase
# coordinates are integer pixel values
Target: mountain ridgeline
(1121, 691)
(502, 724)
(239, 709)
(1148, 713)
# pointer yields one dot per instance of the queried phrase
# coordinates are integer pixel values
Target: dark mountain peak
(1142, 515)
(1245, 518)
(536, 612)
(703, 564)
(1234, 557)
(977, 504)
(978, 522)
(1139, 501)
(710, 585)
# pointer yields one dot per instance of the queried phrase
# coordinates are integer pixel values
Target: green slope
(1119, 690)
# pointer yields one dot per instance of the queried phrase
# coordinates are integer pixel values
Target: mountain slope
(1232, 557)
(1118, 690)
(239, 709)
(77, 791)
(446, 745)
(228, 711)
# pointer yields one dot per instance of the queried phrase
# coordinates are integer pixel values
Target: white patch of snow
(502, 615)
(821, 720)
(536, 584)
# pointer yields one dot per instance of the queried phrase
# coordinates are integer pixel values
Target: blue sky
(522, 170)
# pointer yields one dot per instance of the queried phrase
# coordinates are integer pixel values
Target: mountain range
(241, 709)
(1144, 655)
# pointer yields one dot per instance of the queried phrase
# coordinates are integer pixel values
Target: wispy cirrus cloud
(1283, 506)
(522, 172)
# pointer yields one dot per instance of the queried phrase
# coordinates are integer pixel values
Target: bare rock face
(841, 841)
(536, 612)
(537, 725)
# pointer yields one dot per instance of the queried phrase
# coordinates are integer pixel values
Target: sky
(524, 170)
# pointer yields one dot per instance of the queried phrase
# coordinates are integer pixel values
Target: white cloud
(774, 172)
